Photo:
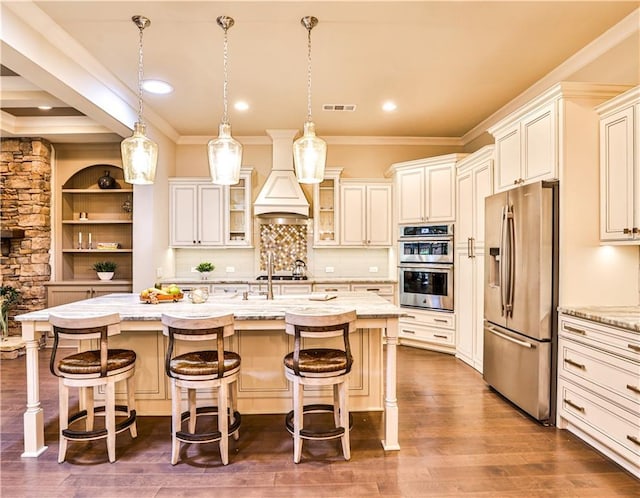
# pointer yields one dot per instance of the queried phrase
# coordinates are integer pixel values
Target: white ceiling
(448, 65)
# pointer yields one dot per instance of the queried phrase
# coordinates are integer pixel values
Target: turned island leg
(390, 441)
(34, 415)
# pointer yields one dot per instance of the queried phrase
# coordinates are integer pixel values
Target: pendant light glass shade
(225, 153)
(309, 155)
(139, 153)
(225, 157)
(309, 151)
(139, 157)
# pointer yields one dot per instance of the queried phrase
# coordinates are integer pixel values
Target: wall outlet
(230, 269)
(328, 269)
(373, 269)
(193, 269)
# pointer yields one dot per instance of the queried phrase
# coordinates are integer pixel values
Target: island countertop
(625, 317)
(130, 307)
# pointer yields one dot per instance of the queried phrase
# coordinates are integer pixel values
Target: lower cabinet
(58, 294)
(599, 388)
(434, 330)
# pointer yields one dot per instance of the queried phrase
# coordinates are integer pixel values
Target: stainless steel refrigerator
(521, 295)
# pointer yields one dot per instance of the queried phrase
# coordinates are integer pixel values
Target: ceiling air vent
(339, 107)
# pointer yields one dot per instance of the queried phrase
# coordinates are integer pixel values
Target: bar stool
(201, 370)
(88, 370)
(319, 367)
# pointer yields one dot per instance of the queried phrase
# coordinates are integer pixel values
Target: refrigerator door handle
(503, 260)
(510, 339)
(511, 263)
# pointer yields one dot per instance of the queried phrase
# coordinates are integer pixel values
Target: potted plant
(104, 269)
(205, 268)
(8, 297)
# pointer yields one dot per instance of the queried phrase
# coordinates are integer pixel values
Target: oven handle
(436, 267)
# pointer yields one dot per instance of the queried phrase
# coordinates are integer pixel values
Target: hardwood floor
(458, 438)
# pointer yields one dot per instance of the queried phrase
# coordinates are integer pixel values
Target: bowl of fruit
(169, 294)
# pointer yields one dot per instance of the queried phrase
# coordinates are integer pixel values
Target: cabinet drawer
(380, 289)
(614, 427)
(295, 289)
(605, 374)
(443, 320)
(331, 287)
(608, 338)
(419, 332)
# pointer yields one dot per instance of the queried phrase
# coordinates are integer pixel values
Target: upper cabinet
(426, 189)
(365, 213)
(202, 214)
(326, 198)
(620, 168)
(526, 146)
(95, 223)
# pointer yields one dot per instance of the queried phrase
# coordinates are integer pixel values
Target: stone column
(25, 204)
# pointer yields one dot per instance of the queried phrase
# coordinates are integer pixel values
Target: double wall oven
(425, 255)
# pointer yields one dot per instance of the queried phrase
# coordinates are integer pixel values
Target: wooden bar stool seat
(87, 370)
(202, 369)
(319, 366)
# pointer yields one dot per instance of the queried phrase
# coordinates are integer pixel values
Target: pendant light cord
(140, 75)
(225, 115)
(309, 75)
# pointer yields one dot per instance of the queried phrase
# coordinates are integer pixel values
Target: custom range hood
(281, 197)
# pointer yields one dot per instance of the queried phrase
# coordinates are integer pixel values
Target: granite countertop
(366, 304)
(625, 317)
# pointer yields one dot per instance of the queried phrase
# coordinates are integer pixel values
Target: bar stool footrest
(206, 437)
(309, 434)
(78, 435)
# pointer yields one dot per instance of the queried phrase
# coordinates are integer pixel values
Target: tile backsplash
(287, 242)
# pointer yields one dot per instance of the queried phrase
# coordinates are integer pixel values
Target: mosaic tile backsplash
(287, 242)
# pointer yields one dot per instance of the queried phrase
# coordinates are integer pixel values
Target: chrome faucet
(270, 275)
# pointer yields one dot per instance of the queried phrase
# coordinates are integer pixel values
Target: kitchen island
(260, 340)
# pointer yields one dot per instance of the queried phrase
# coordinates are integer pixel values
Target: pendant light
(225, 153)
(139, 154)
(309, 151)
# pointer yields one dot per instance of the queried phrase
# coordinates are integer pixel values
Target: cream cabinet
(196, 213)
(620, 168)
(425, 189)
(474, 182)
(238, 226)
(599, 388)
(365, 213)
(434, 330)
(526, 144)
(58, 293)
(326, 198)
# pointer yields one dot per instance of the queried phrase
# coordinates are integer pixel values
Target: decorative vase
(107, 181)
(204, 275)
(105, 275)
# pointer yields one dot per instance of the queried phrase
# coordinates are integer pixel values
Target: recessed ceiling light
(45, 107)
(389, 106)
(241, 105)
(158, 87)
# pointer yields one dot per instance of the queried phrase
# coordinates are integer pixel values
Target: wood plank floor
(458, 438)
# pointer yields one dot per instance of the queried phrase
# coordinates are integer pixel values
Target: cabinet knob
(626, 231)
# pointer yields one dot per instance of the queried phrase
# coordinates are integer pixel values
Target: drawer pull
(633, 388)
(373, 290)
(408, 331)
(440, 336)
(634, 439)
(575, 364)
(331, 290)
(441, 320)
(413, 317)
(569, 328)
(633, 347)
(574, 406)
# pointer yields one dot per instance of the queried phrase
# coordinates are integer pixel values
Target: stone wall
(25, 203)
